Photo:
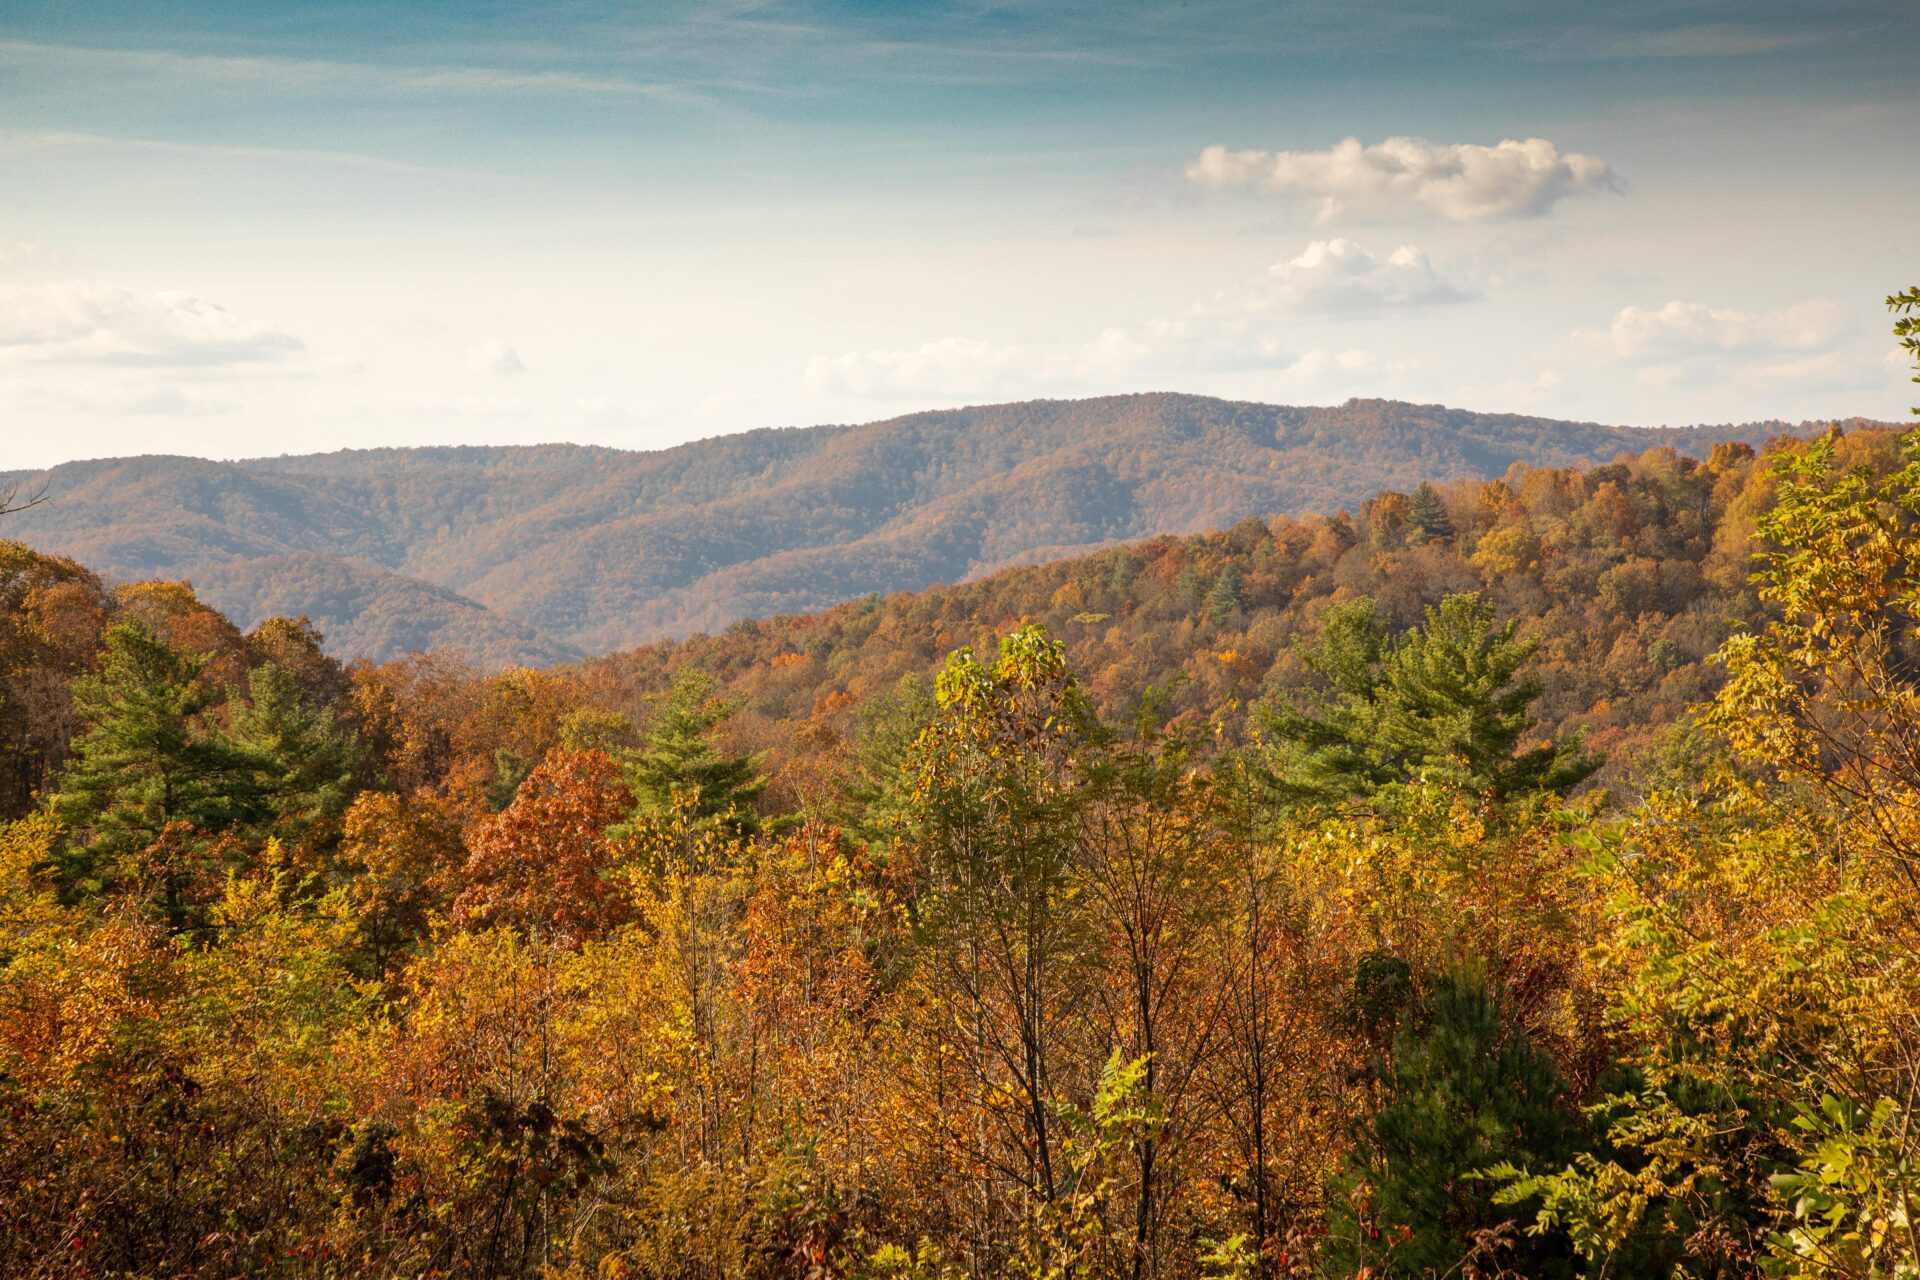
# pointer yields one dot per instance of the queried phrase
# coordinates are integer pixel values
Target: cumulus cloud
(1410, 177)
(1335, 277)
(495, 357)
(1680, 330)
(82, 320)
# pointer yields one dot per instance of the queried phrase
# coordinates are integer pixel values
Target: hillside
(668, 915)
(532, 554)
(1628, 576)
(362, 609)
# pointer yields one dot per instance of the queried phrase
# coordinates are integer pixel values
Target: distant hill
(537, 554)
(367, 611)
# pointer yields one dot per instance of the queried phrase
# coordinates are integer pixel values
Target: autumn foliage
(1280, 923)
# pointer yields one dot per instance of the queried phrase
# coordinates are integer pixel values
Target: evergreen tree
(1427, 515)
(1445, 704)
(150, 758)
(1227, 599)
(876, 789)
(1186, 590)
(677, 761)
(309, 766)
(1460, 1093)
(1320, 753)
(510, 769)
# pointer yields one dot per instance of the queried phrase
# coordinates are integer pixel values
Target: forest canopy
(1504, 878)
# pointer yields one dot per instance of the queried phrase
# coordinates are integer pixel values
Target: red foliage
(543, 864)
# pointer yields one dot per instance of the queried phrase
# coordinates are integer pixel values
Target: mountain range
(537, 554)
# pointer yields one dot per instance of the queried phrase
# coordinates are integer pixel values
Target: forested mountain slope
(596, 969)
(530, 554)
(1628, 576)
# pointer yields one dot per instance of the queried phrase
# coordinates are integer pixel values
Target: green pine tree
(310, 766)
(1446, 703)
(510, 769)
(1427, 516)
(876, 789)
(1460, 1092)
(1227, 599)
(149, 758)
(1186, 589)
(677, 761)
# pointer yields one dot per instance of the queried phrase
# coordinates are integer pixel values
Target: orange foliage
(543, 865)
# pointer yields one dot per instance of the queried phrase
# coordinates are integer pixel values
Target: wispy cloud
(1702, 40)
(20, 142)
(283, 72)
(93, 322)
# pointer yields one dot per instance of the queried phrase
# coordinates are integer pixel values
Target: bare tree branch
(10, 500)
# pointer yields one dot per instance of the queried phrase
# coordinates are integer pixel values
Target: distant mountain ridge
(540, 553)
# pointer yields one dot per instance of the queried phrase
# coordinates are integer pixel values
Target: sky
(262, 227)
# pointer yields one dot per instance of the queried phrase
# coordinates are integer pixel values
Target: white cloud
(1242, 330)
(947, 367)
(1680, 330)
(84, 320)
(1246, 328)
(1333, 277)
(1799, 348)
(495, 357)
(1404, 177)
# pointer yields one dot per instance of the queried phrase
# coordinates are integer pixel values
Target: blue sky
(237, 229)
